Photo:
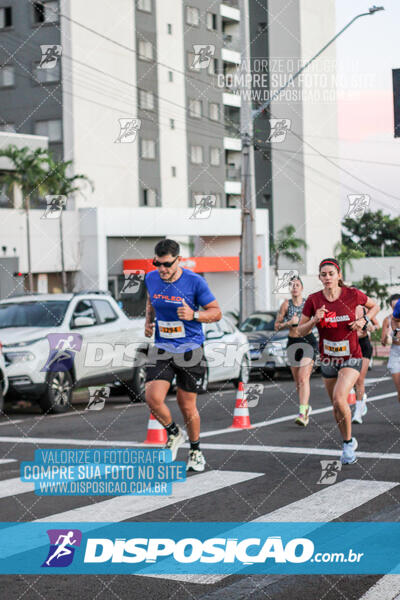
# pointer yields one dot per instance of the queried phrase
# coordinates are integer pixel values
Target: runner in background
(366, 351)
(288, 318)
(332, 310)
(393, 331)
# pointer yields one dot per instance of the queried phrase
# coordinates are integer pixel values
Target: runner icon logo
(63, 347)
(62, 547)
(329, 471)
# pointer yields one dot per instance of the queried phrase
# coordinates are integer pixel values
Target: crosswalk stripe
(4, 461)
(325, 505)
(122, 508)
(388, 587)
(13, 487)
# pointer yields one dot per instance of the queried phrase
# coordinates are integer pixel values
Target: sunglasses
(167, 264)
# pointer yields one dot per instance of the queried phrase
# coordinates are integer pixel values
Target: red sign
(198, 264)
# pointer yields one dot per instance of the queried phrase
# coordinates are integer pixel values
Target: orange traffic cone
(351, 398)
(156, 433)
(241, 419)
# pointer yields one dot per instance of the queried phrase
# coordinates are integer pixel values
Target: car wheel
(58, 396)
(136, 387)
(244, 373)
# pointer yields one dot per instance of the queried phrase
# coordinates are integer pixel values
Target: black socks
(172, 428)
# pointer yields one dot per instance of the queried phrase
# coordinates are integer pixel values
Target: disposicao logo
(62, 547)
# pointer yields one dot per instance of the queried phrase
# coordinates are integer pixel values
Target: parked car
(3, 379)
(267, 346)
(25, 323)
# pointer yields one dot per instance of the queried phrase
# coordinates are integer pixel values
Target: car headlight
(18, 357)
(20, 344)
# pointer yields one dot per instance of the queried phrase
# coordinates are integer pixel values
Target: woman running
(288, 317)
(391, 329)
(332, 310)
(366, 351)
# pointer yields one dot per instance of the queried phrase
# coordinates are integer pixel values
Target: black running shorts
(189, 368)
(366, 346)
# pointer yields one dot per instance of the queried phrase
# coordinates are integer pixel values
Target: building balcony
(233, 187)
(230, 56)
(232, 143)
(229, 10)
(231, 99)
(233, 173)
(232, 42)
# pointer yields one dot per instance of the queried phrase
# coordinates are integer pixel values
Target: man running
(174, 298)
(333, 310)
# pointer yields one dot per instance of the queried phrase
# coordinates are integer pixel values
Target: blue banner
(213, 548)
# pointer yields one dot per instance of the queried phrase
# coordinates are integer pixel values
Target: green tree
(374, 233)
(372, 287)
(286, 245)
(29, 174)
(345, 255)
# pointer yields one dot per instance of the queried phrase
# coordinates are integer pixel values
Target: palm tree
(345, 256)
(60, 183)
(30, 175)
(286, 245)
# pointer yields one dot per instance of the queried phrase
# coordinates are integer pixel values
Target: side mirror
(84, 321)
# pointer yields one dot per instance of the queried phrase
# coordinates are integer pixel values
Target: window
(144, 5)
(169, 29)
(196, 154)
(262, 27)
(105, 311)
(195, 108)
(149, 197)
(45, 12)
(172, 123)
(192, 16)
(215, 157)
(46, 75)
(84, 308)
(146, 100)
(10, 127)
(213, 111)
(7, 76)
(211, 21)
(5, 17)
(51, 129)
(213, 66)
(173, 170)
(148, 149)
(145, 50)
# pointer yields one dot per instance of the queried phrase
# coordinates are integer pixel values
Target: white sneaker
(359, 412)
(174, 442)
(196, 461)
(349, 452)
(365, 408)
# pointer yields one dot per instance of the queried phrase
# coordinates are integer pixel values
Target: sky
(366, 54)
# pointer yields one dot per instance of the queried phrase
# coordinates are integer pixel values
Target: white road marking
(387, 588)
(316, 411)
(4, 461)
(72, 442)
(294, 450)
(12, 487)
(11, 422)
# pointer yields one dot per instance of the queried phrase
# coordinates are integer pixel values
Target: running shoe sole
(350, 462)
(298, 421)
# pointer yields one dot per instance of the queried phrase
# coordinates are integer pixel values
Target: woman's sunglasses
(168, 264)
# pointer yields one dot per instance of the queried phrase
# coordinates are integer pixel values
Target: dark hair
(393, 297)
(296, 278)
(167, 247)
(334, 262)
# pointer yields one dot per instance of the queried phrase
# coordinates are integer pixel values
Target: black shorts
(189, 378)
(330, 370)
(366, 346)
(307, 348)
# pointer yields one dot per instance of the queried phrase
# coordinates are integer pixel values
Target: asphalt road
(260, 471)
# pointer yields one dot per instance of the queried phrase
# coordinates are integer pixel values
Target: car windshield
(32, 314)
(258, 322)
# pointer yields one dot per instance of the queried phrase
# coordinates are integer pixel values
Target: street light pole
(247, 273)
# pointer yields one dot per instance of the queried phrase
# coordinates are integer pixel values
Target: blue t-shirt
(396, 310)
(171, 332)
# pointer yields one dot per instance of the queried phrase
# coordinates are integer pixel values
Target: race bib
(171, 329)
(341, 348)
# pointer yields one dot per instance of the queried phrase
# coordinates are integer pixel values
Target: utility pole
(247, 117)
(28, 243)
(63, 273)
